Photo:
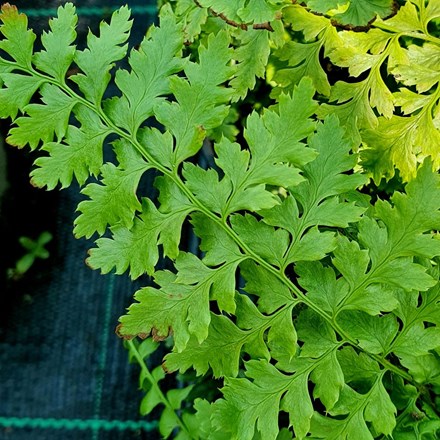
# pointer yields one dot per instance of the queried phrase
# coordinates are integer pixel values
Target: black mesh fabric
(63, 372)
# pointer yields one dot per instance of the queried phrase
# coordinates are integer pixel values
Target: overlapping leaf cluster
(318, 309)
(388, 101)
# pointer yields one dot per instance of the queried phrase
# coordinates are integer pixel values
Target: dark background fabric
(61, 364)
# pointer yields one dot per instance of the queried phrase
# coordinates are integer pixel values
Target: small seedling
(35, 249)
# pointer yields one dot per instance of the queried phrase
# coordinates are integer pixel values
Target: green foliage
(355, 12)
(395, 123)
(242, 11)
(312, 310)
(34, 249)
(149, 383)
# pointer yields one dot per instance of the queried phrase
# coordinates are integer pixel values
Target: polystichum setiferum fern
(331, 330)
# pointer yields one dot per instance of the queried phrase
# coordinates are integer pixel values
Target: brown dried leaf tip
(157, 337)
(120, 335)
(9, 10)
(11, 17)
(154, 334)
(165, 368)
(7, 7)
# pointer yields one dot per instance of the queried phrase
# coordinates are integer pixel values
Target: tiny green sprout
(35, 249)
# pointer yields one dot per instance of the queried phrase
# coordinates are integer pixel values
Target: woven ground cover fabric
(63, 372)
